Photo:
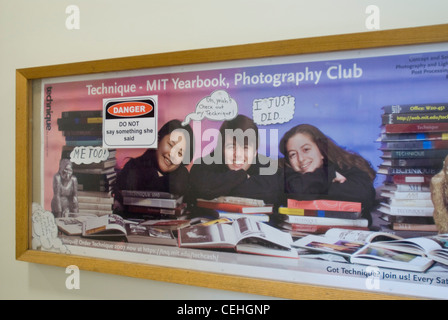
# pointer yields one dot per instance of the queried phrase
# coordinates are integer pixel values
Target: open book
(243, 235)
(357, 246)
(114, 227)
(433, 247)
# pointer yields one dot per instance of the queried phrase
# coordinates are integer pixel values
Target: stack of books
(152, 205)
(236, 207)
(414, 143)
(303, 217)
(96, 203)
(83, 129)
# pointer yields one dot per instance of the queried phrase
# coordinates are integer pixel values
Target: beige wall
(33, 33)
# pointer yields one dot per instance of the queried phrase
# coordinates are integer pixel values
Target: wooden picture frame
(26, 168)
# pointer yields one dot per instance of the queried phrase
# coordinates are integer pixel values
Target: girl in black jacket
(235, 168)
(316, 167)
(162, 169)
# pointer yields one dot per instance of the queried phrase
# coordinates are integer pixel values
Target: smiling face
(303, 153)
(170, 151)
(237, 156)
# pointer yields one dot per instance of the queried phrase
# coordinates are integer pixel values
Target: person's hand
(339, 178)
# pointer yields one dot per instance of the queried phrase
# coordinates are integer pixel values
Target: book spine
(320, 213)
(154, 211)
(399, 118)
(418, 154)
(410, 171)
(412, 195)
(416, 108)
(241, 201)
(327, 221)
(412, 188)
(319, 229)
(415, 145)
(94, 194)
(329, 205)
(414, 136)
(94, 206)
(92, 177)
(85, 127)
(220, 206)
(408, 211)
(147, 194)
(85, 143)
(411, 203)
(83, 137)
(416, 127)
(78, 120)
(151, 202)
(82, 113)
(425, 162)
(411, 179)
(74, 133)
(94, 199)
(262, 217)
(414, 227)
(93, 183)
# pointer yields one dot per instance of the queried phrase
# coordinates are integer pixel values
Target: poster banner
(313, 168)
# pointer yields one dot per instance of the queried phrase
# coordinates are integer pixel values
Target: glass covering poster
(308, 171)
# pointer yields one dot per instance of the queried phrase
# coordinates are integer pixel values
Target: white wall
(33, 33)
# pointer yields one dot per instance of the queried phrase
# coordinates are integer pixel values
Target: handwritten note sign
(273, 110)
(219, 106)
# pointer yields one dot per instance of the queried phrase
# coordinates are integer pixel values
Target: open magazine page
(440, 254)
(245, 227)
(260, 238)
(341, 241)
(253, 229)
(334, 245)
(219, 235)
(434, 247)
(414, 245)
(381, 257)
(360, 235)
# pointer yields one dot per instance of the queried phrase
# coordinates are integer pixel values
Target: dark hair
(167, 129)
(173, 125)
(344, 159)
(241, 122)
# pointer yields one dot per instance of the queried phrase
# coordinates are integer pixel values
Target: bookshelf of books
(414, 143)
(84, 129)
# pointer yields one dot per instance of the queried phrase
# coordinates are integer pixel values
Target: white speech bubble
(45, 231)
(219, 106)
(88, 155)
(273, 110)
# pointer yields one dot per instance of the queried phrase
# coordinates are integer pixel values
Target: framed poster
(288, 169)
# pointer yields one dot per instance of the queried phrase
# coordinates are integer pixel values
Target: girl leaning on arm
(317, 168)
(162, 169)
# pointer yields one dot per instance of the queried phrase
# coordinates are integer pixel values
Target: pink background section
(73, 96)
